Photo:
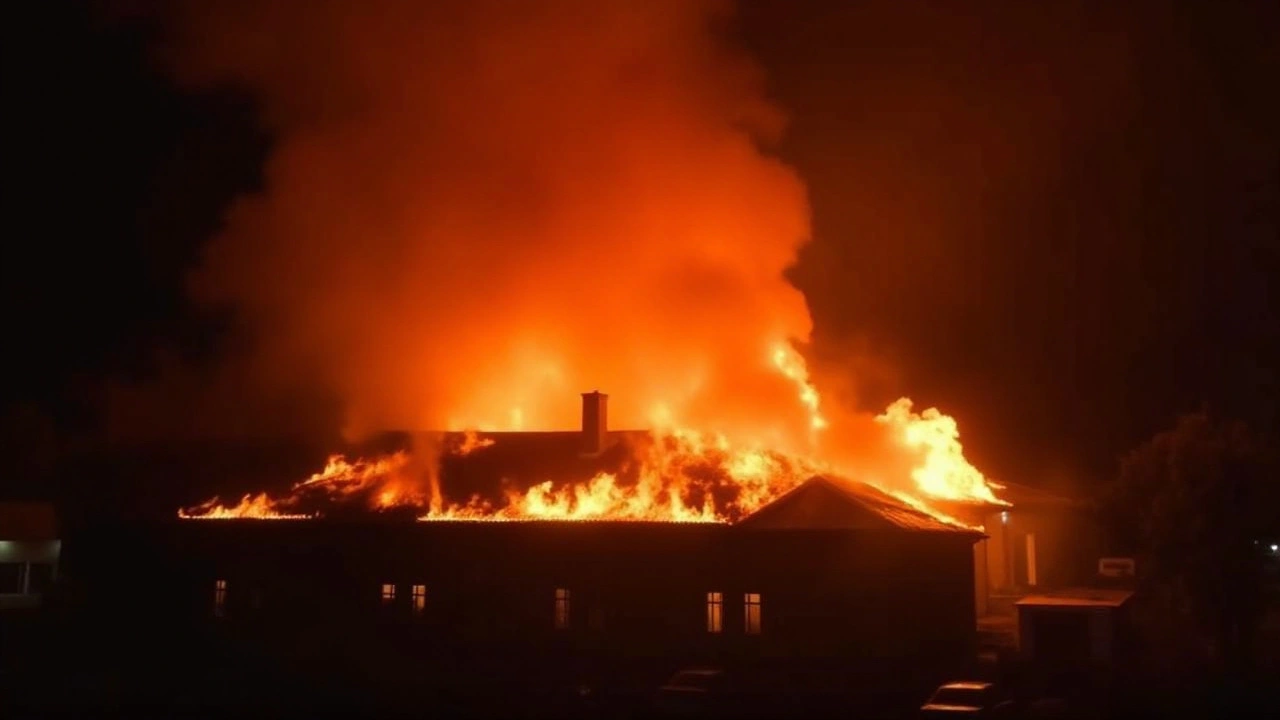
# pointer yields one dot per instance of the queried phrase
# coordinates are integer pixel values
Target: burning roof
(667, 475)
(825, 503)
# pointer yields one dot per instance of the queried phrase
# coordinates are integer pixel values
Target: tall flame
(943, 472)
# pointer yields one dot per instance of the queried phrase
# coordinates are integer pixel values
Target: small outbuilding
(1075, 629)
(29, 551)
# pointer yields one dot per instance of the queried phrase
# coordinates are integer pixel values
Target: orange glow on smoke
(472, 213)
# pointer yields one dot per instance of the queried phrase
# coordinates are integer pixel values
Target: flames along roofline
(374, 520)
(405, 515)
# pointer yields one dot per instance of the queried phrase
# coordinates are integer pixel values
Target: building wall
(1071, 637)
(637, 593)
(1062, 552)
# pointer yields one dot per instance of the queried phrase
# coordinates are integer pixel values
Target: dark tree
(1192, 503)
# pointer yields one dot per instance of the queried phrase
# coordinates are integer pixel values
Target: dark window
(40, 577)
(11, 577)
(562, 609)
(219, 597)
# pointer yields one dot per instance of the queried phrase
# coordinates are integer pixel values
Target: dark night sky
(1060, 224)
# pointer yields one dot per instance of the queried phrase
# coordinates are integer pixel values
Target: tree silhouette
(1192, 503)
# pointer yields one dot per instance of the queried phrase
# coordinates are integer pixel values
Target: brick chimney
(595, 421)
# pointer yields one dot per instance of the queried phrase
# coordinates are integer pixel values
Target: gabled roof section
(822, 503)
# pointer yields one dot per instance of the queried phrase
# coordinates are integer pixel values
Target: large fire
(678, 475)
(471, 213)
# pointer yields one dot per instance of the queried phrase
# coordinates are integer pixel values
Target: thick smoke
(476, 210)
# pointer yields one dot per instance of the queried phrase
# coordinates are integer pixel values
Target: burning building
(593, 546)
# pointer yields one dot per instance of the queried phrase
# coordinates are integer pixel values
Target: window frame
(752, 601)
(563, 608)
(220, 597)
(715, 612)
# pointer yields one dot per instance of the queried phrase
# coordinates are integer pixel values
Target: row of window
(419, 596)
(751, 611)
(751, 606)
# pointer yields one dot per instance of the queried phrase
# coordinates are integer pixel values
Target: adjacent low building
(1037, 541)
(1074, 630)
(29, 551)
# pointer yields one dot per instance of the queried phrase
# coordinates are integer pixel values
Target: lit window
(219, 597)
(419, 597)
(562, 609)
(388, 593)
(715, 612)
(751, 613)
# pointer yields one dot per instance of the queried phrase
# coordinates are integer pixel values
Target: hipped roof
(823, 503)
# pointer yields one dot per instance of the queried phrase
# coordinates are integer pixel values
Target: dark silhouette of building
(832, 580)
(834, 584)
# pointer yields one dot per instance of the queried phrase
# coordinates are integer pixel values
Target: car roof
(966, 685)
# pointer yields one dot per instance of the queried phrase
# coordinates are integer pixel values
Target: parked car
(968, 699)
(698, 692)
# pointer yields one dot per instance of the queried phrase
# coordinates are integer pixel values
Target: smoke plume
(476, 210)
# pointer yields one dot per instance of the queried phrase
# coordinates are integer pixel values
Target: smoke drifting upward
(476, 210)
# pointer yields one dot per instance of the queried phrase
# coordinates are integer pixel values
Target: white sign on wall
(1116, 567)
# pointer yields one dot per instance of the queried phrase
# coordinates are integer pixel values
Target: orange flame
(943, 473)
(339, 479)
(679, 475)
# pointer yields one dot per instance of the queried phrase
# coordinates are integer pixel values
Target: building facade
(821, 579)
